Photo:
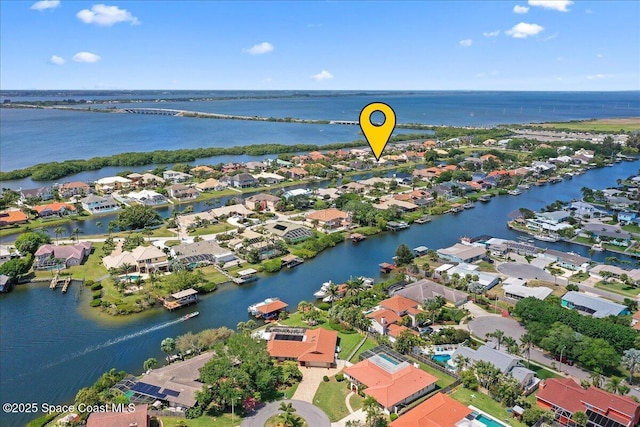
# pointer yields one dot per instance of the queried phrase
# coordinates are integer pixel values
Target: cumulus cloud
(57, 60)
(559, 5)
(259, 49)
(465, 42)
(45, 4)
(524, 30)
(495, 33)
(87, 57)
(322, 75)
(520, 9)
(103, 15)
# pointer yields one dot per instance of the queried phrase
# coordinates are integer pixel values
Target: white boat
(597, 247)
(190, 315)
(253, 309)
(323, 290)
(515, 192)
(329, 298)
(546, 237)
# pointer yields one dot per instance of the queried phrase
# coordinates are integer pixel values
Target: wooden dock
(54, 282)
(66, 284)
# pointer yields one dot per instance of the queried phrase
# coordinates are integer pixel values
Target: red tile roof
(389, 316)
(395, 330)
(325, 215)
(319, 345)
(388, 388)
(567, 394)
(272, 306)
(398, 304)
(438, 411)
(13, 217)
(138, 417)
(55, 207)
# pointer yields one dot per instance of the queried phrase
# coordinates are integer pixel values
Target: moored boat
(546, 237)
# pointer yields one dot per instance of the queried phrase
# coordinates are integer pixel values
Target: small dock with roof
(180, 299)
(291, 261)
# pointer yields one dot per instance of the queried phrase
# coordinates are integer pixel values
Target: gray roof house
(596, 307)
(202, 251)
(243, 180)
(289, 231)
(426, 289)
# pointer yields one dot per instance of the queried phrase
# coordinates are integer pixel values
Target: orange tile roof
(429, 143)
(450, 167)
(319, 345)
(327, 215)
(398, 304)
(488, 156)
(438, 411)
(13, 216)
(55, 207)
(395, 330)
(272, 306)
(389, 316)
(390, 388)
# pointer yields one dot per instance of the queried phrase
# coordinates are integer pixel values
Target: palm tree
(579, 418)
(76, 231)
(168, 345)
(596, 377)
(287, 417)
(59, 231)
(333, 293)
(150, 363)
(461, 363)
(354, 286)
(498, 335)
(526, 342)
(510, 344)
(614, 385)
(372, 409)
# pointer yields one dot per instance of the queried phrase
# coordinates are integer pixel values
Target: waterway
(50, 345)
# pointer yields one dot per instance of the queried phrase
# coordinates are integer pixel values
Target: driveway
(525, 271)
(481, 326)
(311, 379)
(312, 414)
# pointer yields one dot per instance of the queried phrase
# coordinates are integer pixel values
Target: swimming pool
(389, 359)
(488, 421)
(441, 358)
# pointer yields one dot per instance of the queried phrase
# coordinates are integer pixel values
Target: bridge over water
(153, 111)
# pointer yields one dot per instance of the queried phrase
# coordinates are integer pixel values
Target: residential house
(97, 204)
(201, 170)
(5, 254)
(176, 176)
(563, 397)
(404, 206)
(42, 193)
(353, 187)
(12, 217)
(463, 270)
(145, 180)
(296, 192)
(584, 209)
(269, 178)
(568, 260)
(253, 166)
(293, 173)
(147, 197)
(54, 209)
(403, 178)
(462, 253)
(549, 221)
(144, 258)
(137, 416)
(439, 410)
(394, 331)
(420, 197)
(262, 202)
(331, 218)
(592, 305)
(110, 184)
(625, 218)
(243, 180)
(518, 292)
(289, 231)
(60, 257)
(401, 306)
(308, 347)
(614, 271)
(77, 188)
(204, 251)
(182, 192)
(426, 289)
(390, 380)
(211, 184)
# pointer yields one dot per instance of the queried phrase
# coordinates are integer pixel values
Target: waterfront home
(144, 258)
(549, 221)
(60, 257)
(182, 192)
(77, 188)
(176, 176)
(54, 209)
(147, 197)
(262, 202)
(243, 180)
(584, 209)
(227, 211)
(327, 193)
(381, 318)
(518, 292)
(181, 299)
(308, 347)
(568, 260)
(293, 173)
(211, 184)
(110, 184)
(401, 306)
(204, 251)
(252, 166)
(131, 417)
(12, 217)
(505, 362)
(564, 397)
(97, 204)
(487, 280)
(462, 253)
(426, 289)
(592, 305)
(352, 187)
(439, 410)
(403, 178)
(269, 178)
(331, 218)
(404, 206)
(625, 218)
(42, 193)
(614, 271)
(289, 231)
(296, 192)
(390, 379)
(145, 180)
(201, 170)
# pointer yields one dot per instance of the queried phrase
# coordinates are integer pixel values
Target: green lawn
(444, 380)
(542, 372)
(203, 421)
(485, 403)
(90, 270)
(604, 125)
(356, 401)
(631, 228)
(330, 398)
(580, 277)
(368, 344)
(212, 229)
(212, 275)
(619, 288)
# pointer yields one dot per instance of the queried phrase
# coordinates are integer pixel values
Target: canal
(50, 346)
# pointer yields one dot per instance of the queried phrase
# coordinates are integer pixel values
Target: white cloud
(87, 57)
(322, 75)
(520, 9)
(57, 60)
(597, 76)
(524, 30)
(465, 42)
(495, 33)
(45, 4)
(559, 5)
(599, 55)
(103, 15)
(259, 49)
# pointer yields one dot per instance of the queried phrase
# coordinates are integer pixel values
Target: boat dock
(395, 226)
(357, 237)
(291, 261)
(245, 276)
(57, 280)
(385, 267)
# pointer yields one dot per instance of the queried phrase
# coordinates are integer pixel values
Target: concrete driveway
(524, 271)
(312, 414)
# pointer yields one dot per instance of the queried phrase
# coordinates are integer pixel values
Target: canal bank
(50, 350)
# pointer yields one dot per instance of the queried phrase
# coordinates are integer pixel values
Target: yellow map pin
(377, 135)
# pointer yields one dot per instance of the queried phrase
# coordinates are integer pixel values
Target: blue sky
(429, 45)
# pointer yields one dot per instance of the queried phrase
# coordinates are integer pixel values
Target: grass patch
(356, 401)
(212, 229)
(542, 372)
(348, 343)
(212, 275)
(486, 267)
(444, 380)
(580, 277)
(92, 268)
(602, 125)
(631, 228)
(330, 398)
(274, 421)
(367, 231)
(368, 345)
(223, 420)
(485, 403)
(172, 243)
(619, 288)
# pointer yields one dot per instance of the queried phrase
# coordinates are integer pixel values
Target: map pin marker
(377, 135)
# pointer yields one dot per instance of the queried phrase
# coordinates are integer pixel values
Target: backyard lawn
(443, 379)
(485, 403)
(619, 288)
(212, 229)
(368, 344)
(330, 397)
(203, 421)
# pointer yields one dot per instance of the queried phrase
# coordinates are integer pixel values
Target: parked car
(564, 360)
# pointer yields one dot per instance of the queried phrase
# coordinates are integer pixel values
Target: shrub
(96, 287)
(339, 377)
(272, 265)
(89, 283)
(97, 295)
(393, 416)
(324, 306)
(325, 379)
(96, 303)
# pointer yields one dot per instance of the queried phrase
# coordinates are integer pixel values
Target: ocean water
(48, 135)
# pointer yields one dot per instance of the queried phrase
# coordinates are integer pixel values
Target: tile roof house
(262, 202)
(144, 258)
(390, 383)
(440, 410)
(54, 209)
(182, 192)
(310, 347)
(60, 257)
(563, 397)
(70, 189)
(331, 218)
(135, 417)
(12, 217)
(211, 184)
(96, 204)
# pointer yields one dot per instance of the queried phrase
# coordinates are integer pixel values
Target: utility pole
(561, 352)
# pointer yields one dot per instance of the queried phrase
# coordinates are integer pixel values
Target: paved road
(525, 271)
(312, 414)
